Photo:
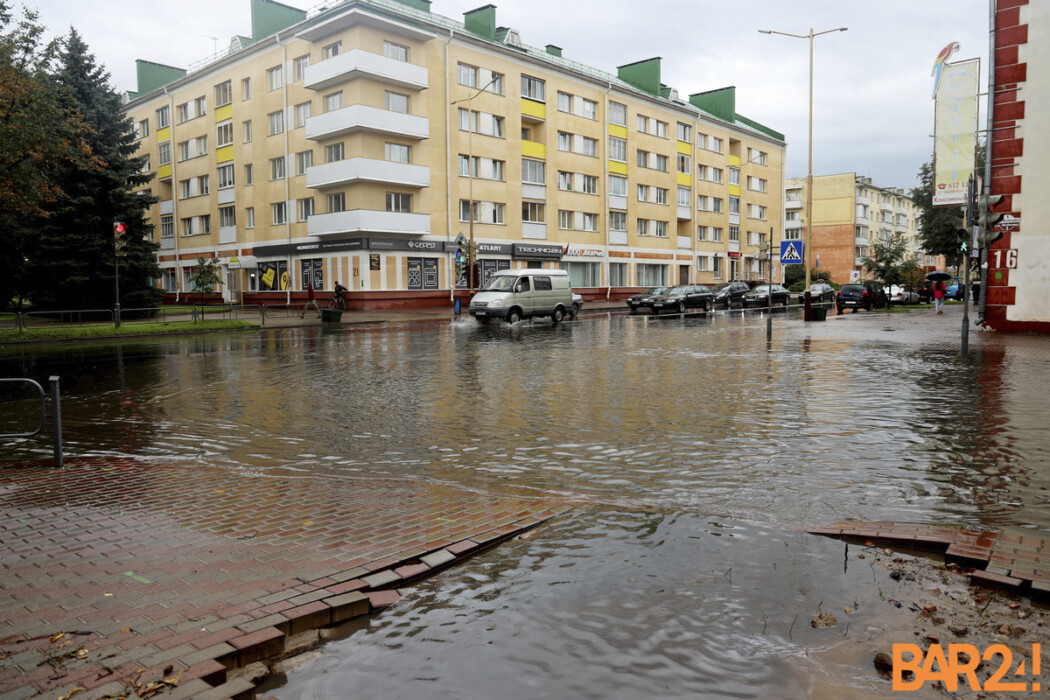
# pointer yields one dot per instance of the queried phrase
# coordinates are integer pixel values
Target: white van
(518, 294)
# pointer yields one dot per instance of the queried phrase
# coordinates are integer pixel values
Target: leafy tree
(38, 133)
(75, 253)
(796, 274)
(205, 276)
(889, 261)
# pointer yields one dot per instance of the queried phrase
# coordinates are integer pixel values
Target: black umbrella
(938, 275)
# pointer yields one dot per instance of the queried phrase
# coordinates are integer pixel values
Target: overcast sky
(873, 112)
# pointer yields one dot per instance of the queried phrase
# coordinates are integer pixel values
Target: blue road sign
(791, 253)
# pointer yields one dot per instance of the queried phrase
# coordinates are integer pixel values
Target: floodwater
(693, 449)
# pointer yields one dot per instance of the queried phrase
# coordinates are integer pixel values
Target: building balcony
(861, 240)
(901, 228)
(618, 237)
(356, 63)
(617, 202)
(353, 170)
(861, 219)
(685, 242)
(792, 225)
(793, 204)
(363, 118)
(534, 231)
(167, 206)
(863, 200)
(685, 212)
(886, 206)
(368, 221)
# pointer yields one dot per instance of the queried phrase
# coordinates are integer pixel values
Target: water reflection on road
(658, 424)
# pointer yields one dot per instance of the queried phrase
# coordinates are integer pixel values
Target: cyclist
(339, 301)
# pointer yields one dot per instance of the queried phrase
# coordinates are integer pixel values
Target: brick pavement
(119, 573)
(1014, 559)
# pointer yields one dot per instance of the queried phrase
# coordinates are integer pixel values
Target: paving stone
(985, 578)
(436, 559)
(347, 606)
(381, 579)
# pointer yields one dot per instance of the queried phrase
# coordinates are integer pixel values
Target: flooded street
(691, 449)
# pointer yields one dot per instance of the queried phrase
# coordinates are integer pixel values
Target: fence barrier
(56, 414)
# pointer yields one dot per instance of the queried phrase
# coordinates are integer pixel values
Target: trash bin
(331, 315)
(818, 313)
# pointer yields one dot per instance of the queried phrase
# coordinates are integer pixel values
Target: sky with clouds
(872, 111)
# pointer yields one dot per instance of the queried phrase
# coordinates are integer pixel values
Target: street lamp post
(809, 176)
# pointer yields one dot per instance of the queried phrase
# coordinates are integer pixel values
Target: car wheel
(633, 309)
(574, 311)
(681, 307)
(839, 309)
(514, 315)
(709, 305)
(558, 315)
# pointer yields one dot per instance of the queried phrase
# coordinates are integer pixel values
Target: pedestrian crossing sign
(791, 252)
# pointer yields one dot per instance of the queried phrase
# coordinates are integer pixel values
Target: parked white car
(899, 295)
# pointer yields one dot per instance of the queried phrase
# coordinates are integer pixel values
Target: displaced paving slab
(146, 572)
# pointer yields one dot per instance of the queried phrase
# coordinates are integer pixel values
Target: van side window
(543, 283)
(523, 284)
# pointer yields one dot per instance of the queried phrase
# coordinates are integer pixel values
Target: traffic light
(988, 219)
(120, 239)
(462, 255)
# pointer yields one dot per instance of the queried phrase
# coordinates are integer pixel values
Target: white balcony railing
(364, 118)
(364, 64)
(368, 221)
(353, 170)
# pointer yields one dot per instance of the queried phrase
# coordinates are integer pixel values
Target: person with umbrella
(939, 290)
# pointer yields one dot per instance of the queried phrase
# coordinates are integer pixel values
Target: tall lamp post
(809, 176)
(470, 174)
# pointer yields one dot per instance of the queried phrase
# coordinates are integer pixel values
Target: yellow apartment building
(849, 214)
(354, 143)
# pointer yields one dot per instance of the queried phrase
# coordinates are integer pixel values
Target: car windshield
(852, 288)
(761, 289)
(676, 290)
(500, 283)
(656, 290)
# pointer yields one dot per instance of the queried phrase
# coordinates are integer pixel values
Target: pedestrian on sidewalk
(939, 292)
(311, 300)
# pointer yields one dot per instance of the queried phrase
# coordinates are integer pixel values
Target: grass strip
(33, 335)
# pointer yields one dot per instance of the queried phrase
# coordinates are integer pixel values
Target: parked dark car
(760, 296)
(682, 297)
(641, 299)
(821, 293)
(862, 295)
(731, 293)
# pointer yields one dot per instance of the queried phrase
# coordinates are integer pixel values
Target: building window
(193, 148)
(684, 163)
(276, 122)
(299, 65)
(756, 156)
(617, 149)
(396, 102)
(303, 160)
(643, 227)
(249, 215)
(195, 187)
(332, 50)
(398, 153)
(141, 129)
(275, 77)
(564, 102)
(583, 274)
(643, 193)
(643, 124)
(685, 132)
(468, 75)
(533, 88)
(564, 181)
(224, 134)
(224, 93)
(225, 173)
(734, 176)
(484, 212)
(305, 208)
(249, 172)
(660, 229)
(617, 114)
(395, 51)
(164, 153)
(565, 219)
(399, 202)
(302, 113)
(734, 204)
(246, 88)
(277, 168)
(734, 232)
(701, 233)
(618, 185)
(534, 172)
(196, 225)
(588, 147)
(642, 159)
(227, 216)
(716, 234)
(661, 195)
(617, 221)
(618, 274)
(685, 196)
(716, 145)
(280, 213)
(754, 211)
(334, 101)
(163, 117)
(651, 275)
(167, 226)
(533, 212)
(564, 141)
(590, 184)
(333, 153)
(589, 109)
(336, 202)
(248, 131)
(701, 263)
(756, 184)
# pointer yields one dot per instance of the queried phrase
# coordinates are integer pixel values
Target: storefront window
(583, 274)
(273, 276)
(310, 269)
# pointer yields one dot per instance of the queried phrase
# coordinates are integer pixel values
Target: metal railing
(56, 414)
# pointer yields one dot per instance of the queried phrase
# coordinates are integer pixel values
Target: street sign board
(791, 253)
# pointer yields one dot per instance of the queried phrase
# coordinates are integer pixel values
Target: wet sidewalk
(124, 577)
